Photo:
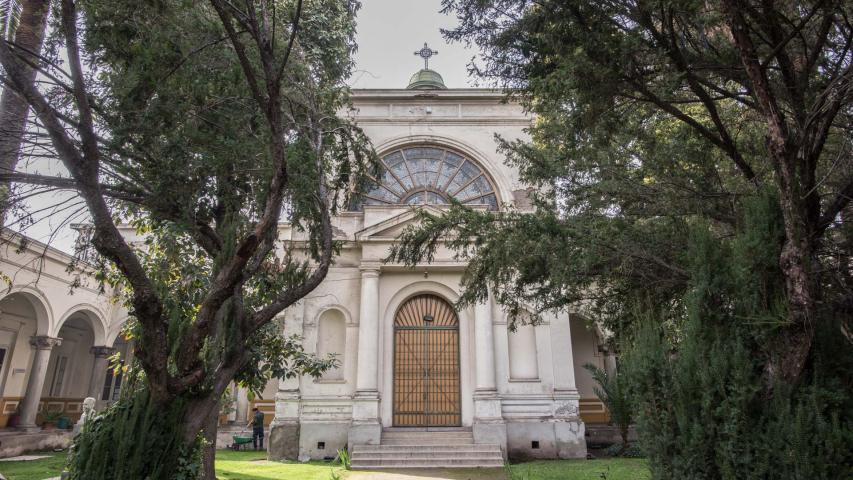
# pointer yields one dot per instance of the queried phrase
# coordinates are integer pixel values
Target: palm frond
(10, 16)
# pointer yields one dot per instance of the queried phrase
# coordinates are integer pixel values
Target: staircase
(406, 448)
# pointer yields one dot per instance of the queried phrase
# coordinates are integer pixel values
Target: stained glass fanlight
(431, 176)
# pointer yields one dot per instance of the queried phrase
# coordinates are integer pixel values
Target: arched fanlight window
(432, 176)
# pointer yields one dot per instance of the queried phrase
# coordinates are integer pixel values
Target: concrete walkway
(430, 474)
(24, 458)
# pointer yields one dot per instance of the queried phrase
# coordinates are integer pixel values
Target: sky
(388, 33)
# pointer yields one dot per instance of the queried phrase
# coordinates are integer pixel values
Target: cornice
(358, 94)
(463, 121)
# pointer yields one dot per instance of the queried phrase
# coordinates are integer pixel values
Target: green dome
(426, 79)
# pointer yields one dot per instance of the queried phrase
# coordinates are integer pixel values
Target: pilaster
(285, 429)
(570, 441)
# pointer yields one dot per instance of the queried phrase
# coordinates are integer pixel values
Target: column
(99, 368)
(365, 409)
(367, 377)
(568, 427)
(489, 426)
(41, 345)
(485, 348)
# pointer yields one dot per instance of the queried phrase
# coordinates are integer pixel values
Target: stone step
(424, 455)
(426, 451)
(436, 462)
(418, 441)
(426, 429)
(408, 448)
(426, 448)
(427, 438)
(427, 434)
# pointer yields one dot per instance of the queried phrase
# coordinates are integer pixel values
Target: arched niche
(331, 339)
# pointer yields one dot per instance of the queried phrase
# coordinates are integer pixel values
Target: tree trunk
(202, 418)
(29, 37)
(792, 347)
(209, 454)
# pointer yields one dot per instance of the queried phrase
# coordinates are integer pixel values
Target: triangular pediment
(392, 227)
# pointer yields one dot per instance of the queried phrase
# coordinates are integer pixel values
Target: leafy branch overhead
(201, 125)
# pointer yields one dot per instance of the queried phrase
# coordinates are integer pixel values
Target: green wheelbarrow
(240, 441)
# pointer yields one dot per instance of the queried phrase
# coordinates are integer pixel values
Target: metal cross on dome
(426, 53)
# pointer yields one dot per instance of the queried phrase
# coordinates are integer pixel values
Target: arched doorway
(426, 364)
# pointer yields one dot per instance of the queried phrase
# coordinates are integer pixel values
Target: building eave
(363, 94)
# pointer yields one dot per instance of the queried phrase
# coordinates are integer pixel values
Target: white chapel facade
(408, 359)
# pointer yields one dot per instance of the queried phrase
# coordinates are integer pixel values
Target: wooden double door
(426, 364)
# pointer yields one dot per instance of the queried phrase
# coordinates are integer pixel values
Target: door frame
(395, 287)
(426, 329)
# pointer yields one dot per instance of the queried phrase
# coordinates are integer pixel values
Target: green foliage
(619, 450)
(613, 391)
(135, 438)
(662, 211)
(703, 410)
(186, 133)
(206, 124)
(272, 356)
(343, 458)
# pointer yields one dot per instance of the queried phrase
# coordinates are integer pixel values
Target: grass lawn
(246, 465)
(254, 466)
(250, 465)
(34, 469)
(599, 469)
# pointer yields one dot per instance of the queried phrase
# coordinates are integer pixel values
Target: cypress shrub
(703, 405)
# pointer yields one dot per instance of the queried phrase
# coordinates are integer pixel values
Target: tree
(24, 24)
(625, 92)
(691, 170)
(201, 124)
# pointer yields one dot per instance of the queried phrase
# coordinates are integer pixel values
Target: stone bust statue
(88, 411)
